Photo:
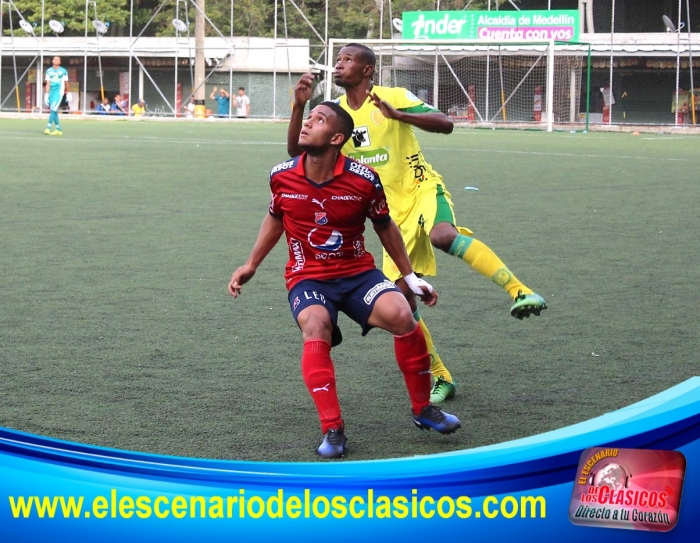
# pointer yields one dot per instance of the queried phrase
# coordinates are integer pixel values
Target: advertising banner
(513, 26)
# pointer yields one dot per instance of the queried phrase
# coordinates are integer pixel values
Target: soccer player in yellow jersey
(419, 203)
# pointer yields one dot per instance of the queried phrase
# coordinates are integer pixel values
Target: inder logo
(632, 489)
(436, 25)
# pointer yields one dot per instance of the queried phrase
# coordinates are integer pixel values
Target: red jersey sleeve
(275, 207)
(378, 211)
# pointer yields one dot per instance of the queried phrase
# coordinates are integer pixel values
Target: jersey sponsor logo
(362, 171)
(378, 207)
(319, 241)
(319, 202)
(377, 157)
(360, 137)
(359, 247)
(297, 251)
(347, 197)
(417, 162)
(313, 295)
(283, 166)
(321, 218)
(294, 196)
(376, 289)
(329, 256)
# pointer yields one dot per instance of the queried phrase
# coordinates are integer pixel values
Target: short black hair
(365, 53)
(241, 88)
(347, 124)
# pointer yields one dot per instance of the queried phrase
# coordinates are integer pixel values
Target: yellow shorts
(432, 206)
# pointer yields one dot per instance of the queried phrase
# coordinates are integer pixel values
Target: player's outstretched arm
(302, 94)
(390, 236)
(436, 121)
(270, 232)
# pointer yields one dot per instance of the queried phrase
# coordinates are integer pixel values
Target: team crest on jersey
(377, 117)
(360, 137)
(321, 218)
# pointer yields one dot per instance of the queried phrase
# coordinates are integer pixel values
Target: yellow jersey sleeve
(405, 100)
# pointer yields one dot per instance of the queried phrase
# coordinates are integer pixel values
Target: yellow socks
(482, 259)
(437, 368)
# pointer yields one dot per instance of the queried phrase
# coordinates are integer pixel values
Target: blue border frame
(542, 465)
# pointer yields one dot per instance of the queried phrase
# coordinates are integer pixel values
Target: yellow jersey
(137, 110)
(391, 148)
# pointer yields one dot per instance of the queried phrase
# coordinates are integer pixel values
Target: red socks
(414, 362)
(319, 377)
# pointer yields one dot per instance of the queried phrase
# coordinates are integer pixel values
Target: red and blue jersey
(325, 223)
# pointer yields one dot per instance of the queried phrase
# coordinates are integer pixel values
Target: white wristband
(415, 284)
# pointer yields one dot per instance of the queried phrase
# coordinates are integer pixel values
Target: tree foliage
(69, 12)
(354, 19)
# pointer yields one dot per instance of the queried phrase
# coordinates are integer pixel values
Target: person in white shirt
(189, 108)
(242, 104)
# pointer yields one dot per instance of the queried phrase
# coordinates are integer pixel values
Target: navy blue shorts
(355, 296)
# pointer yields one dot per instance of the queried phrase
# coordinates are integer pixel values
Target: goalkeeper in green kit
(55, 88)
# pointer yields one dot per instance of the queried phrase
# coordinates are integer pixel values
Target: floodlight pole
(230, 60)
(436, 72)
(40, 71)
(177, 50)
(87, 3)
(199, 91)
(678, 61)
(274, 68)
(131, 45)
(14, 56)
(612, 55)
(2, 10)
(690, 63)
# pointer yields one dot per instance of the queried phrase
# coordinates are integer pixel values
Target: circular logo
(377, 117)
(325, 241)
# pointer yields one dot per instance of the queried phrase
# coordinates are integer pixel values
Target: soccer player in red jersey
(320, 201)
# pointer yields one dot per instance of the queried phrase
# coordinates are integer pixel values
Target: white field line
(569, 155)
(166, 141)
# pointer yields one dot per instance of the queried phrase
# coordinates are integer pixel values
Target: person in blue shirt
(56, 86)
(119, 105)
(104, 108)
(224, 101)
